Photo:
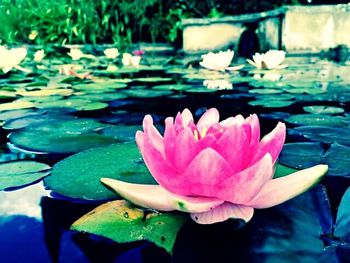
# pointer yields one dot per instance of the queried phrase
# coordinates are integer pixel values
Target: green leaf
(78, 176)
(19, 173)
(123, 223)
(282, 170)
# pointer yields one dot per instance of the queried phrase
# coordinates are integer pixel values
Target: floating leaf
(316, 119)
(323, 134)
(121, 222)
(342, 225)
(78, 176)
(16, 105)
(301, 155)
(338, 160)
(66, 136)
(154, 79)
(266, 103)
(323, 109)
(19, 173)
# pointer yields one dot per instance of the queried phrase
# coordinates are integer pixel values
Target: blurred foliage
(122, 22)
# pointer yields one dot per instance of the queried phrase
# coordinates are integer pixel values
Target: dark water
(34, 222)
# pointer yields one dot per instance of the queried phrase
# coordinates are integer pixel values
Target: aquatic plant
(213, 170)
(217, 61)
(39, 55)
(130, 60)
(269, 60)
(11, 58)
(77, 54)
(111, 53)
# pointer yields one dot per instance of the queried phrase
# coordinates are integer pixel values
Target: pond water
(47, 117)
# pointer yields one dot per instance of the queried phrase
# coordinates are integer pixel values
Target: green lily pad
(20, 173)
(316, 119)
(265, 91)
(100, 96)
(72, 103)
(14, 114)
(16, 105)
(323, 134)
(301, 155)
(337, 158)
(266, 103)
(31, 120)
(154, 79)
(173, 87)
(121, 222)
(106, 85)
(65, 136)
(78, 176)
(121, 132)
(282, 170)
(147, 93)
(323, 109)
(312, 91)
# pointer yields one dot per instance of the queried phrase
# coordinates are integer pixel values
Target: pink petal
(207, 141)
(224, 212)
(186, 117)
(156, 197)
(154, 135)
(244, 186)
(272, 143)
(186, 148)
(281, 189)
(169, 140)
(209, 118)
(232, 120)
(178, 124)
(233, 146)
(252, 129)
(201, 177)
(162, 171)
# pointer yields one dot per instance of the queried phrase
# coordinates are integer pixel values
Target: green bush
(106, 21)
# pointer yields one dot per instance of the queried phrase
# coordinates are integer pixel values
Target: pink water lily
(213, 170)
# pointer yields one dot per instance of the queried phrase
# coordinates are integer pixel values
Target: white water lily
(270, 60)
(111, 53)
(39, 55)
(11, 58)
(130, 60)
(217, 61)
(220, 84)
(77, 54)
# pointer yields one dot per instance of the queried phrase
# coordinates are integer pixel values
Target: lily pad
(105, 85)
(316, 119)
(16, 105)
(173, 87)
(323, 109)
(154, 79)
(265, 91)
(266, 103)
(342, 225)
(323, 134)
(67, 136)
(337, 158)
(31, 120)
(20, 173)
(78, 176)
(121, 222)
(301, 155)
(147, 93)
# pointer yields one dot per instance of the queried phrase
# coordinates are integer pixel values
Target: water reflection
(23, 202)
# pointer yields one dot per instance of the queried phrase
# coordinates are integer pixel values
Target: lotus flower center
(198, 135)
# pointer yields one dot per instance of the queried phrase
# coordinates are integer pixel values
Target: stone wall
(293, 28)
(316, 28)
